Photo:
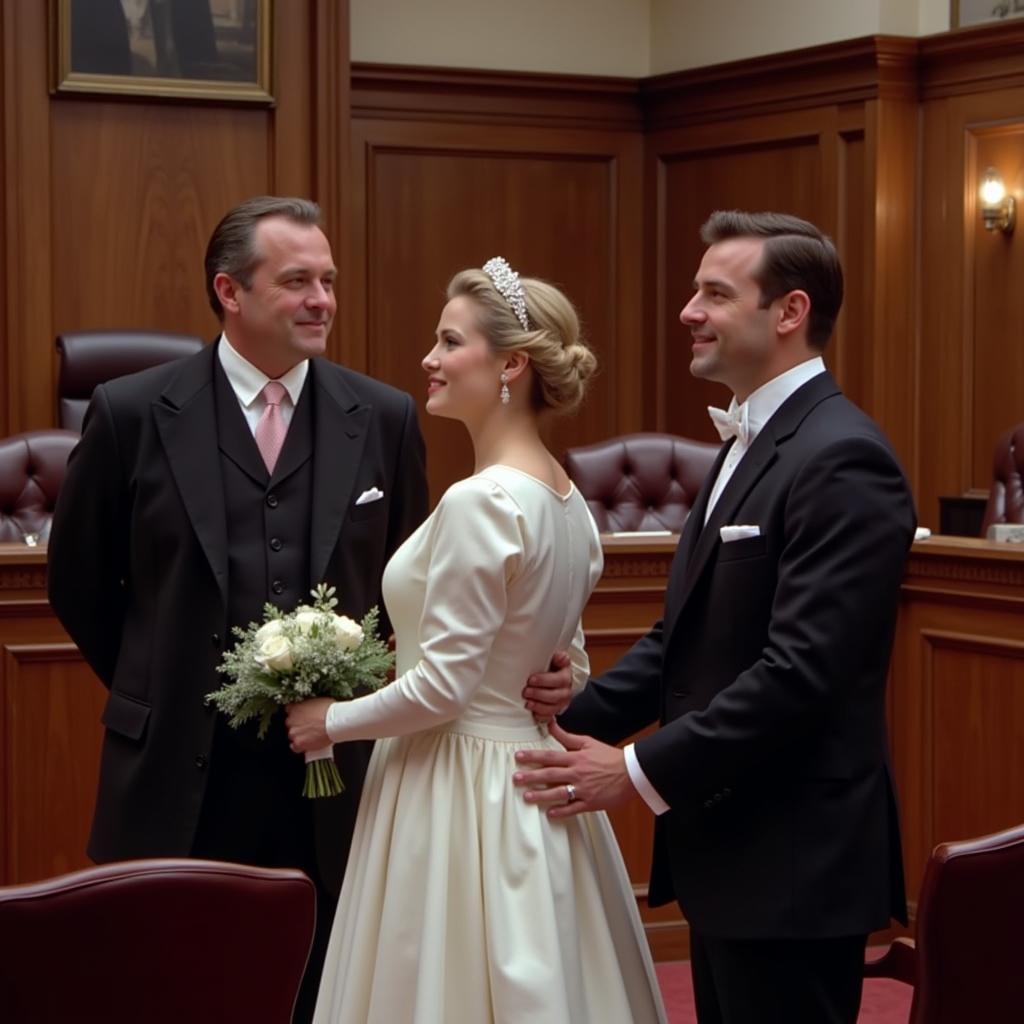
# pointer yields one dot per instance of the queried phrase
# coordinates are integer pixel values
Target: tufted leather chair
(1006, 497)
(32, 469)
(640, 481)
(88, 358)
(159, 941)
(965, 963)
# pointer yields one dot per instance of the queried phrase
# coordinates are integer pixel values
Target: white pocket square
(730, 533)
(373, 494)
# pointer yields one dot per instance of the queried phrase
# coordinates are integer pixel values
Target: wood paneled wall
(841, 153)
(108, 203)
(598, 184)
(970, 381)
(450, 169)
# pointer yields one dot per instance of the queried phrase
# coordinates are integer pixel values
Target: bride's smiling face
(463, 374)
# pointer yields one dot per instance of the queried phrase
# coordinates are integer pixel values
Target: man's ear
(226, 289)
(794, 309)
(515, 364)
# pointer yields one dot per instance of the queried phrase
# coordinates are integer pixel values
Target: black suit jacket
(138, 567)
(767, 674)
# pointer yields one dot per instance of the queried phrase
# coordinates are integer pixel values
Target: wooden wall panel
(756, 135)
(168, 177)
(957, 695)
(995, 299)
(51, 704)
(781, 174)
(109, 202)
(969, 382)
(430, 199)
(848, 356)
(975, 690)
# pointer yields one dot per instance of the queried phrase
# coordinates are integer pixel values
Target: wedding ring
(570, 793)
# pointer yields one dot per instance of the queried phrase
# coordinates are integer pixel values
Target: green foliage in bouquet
(311, 652)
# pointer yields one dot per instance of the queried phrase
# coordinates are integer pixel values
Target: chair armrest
(899, 962)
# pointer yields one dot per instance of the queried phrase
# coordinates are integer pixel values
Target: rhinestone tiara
(506, 280)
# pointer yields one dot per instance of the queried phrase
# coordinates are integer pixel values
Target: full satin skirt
(463, 904)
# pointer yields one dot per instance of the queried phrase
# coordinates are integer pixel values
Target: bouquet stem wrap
(322, 778)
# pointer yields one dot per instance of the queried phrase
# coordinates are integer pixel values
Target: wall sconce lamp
(998, 210)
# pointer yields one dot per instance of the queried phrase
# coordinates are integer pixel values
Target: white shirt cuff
(640, 781)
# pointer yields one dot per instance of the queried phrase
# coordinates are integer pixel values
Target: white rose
(275, 654)
(269, 629)
(347, 634)
(306, 618)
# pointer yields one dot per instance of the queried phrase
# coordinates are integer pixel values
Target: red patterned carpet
(884, 1002)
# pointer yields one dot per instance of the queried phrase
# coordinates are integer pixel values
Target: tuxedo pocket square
(373, 494)
(731, 533)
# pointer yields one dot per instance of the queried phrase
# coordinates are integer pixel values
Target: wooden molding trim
(851, 71)
(495, 97)
(985, 57)
(971, 567)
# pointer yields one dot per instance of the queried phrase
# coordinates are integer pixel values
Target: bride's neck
(504, 437)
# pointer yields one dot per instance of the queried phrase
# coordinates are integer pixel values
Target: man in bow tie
(202, 489)
(769, 773)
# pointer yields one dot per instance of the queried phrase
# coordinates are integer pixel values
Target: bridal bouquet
(311, 652)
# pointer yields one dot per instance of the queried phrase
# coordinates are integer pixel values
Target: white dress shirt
(762, 405)
(248, 383)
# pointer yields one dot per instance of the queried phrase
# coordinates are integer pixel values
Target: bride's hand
(307, 724)
(548, 693)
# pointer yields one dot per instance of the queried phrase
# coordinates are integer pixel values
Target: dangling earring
(504, 394)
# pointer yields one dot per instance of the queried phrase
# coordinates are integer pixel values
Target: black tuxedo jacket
(138, 567)
(767, 674)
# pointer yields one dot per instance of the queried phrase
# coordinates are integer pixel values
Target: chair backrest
(158, 941)
(970, 932)
(1006, 498)
(88, 358)
(640, 481)
(32, 467)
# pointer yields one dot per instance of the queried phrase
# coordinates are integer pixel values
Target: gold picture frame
(964, 13)
(178, 49)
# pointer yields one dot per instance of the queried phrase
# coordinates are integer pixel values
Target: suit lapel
(751, 469)
(752, 466)
(186, 420)
(340, 427)
(233, 434)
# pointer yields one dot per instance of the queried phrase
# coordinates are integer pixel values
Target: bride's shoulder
(482, 490)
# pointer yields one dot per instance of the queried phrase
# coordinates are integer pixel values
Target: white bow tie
(734, 423)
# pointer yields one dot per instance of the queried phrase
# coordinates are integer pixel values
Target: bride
(462, 904)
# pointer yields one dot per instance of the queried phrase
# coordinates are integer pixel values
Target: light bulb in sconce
(998, 210)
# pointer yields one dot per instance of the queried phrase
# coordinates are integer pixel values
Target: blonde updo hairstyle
(562, 361)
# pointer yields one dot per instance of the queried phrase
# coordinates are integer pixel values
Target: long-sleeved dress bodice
(480, 596)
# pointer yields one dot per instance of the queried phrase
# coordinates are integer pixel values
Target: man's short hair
(797, 255)
(232, 247)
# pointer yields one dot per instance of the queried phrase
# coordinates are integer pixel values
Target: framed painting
(977, 12)
(194, 49)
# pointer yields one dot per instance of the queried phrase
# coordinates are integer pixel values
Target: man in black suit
(181, 515)
(777, 829)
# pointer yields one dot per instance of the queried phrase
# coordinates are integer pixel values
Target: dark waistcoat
(268, 526)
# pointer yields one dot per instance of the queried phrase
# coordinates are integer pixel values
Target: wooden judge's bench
(956, 704)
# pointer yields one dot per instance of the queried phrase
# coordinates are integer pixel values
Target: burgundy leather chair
(640, 481)
(965, 964)
(88, 358)
(1006, 497)
(32, 467)
(160, 941)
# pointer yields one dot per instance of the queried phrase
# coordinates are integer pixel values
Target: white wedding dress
(463, 904)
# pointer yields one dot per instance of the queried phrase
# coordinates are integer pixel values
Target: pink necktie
(271, 429)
